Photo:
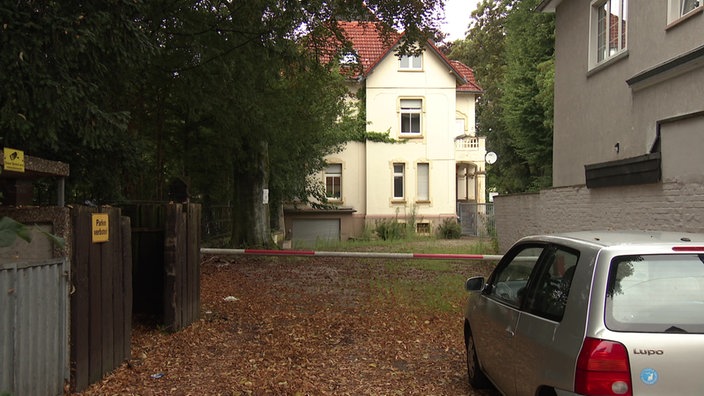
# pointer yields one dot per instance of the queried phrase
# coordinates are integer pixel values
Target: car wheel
(476, 376)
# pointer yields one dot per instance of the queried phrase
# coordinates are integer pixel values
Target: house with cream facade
(426, 103)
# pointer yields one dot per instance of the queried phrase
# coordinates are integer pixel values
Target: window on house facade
(609, 29)
(399, 176)
(423, 182)
(410, 62)
(679, 8)
(689, 5)
(459, 126)
(423, 228)
(411, 110)
(333, 181)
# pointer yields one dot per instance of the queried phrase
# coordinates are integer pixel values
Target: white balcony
(470, 148)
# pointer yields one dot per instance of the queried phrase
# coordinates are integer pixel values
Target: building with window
(426, 104)
(629, 121)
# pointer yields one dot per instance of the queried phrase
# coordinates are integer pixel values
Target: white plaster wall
(437, 87)
(354, 172)
(466, 103)
(367, 181)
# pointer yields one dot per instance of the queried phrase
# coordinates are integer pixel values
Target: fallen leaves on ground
(298, 326)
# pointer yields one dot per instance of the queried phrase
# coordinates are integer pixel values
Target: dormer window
(410, 62)
(348, 58)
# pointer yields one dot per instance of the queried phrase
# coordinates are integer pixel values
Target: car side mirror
(474, 284)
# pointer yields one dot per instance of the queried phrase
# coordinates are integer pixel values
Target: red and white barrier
(427, 256)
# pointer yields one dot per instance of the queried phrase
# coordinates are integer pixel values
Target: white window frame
(410, 109)
(398, 184)
(680, 9)
(423, 182)
(605, 43)
(333, 171)
(411, 62)
(460, 123)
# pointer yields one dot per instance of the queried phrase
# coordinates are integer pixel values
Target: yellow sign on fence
(100, 227)
(13, 160)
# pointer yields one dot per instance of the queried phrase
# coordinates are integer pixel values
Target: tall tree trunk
(250, 214)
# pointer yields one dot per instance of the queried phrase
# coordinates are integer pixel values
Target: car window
(548, 294)
(656, 293)
(509, 281)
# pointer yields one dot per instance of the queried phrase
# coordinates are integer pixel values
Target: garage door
(307, 231)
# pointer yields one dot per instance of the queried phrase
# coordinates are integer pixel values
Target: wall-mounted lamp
(617, 147)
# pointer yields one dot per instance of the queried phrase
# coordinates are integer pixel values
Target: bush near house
(450, 229)
(391, 230)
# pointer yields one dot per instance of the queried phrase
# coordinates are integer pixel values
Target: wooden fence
(160, 273)
(101, 301)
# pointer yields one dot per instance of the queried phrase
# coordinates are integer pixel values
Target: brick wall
(669, 206)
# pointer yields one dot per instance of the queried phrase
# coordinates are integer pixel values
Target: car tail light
(688, 248)
(603, 369)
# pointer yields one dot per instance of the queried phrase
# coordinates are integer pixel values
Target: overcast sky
(457, 17)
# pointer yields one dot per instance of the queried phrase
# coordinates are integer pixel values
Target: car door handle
(510, 332)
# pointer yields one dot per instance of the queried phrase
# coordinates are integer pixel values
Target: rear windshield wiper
(675, 329)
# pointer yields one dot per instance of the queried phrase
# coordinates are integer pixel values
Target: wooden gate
(101, 302)
(166, 262)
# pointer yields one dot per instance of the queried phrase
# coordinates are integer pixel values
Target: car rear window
(656, 293)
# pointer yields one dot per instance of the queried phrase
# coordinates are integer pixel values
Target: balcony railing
(470, 143)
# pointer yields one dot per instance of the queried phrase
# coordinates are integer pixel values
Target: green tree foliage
(244, 105)
(484, 50)
(229, 96)
(509, 46)
(64, 65)
(236, 101)
(529, 52)
(10, 230)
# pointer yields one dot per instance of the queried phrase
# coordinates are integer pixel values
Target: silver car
(591, 313)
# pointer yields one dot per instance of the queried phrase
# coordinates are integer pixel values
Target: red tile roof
(371, 48)
(368, 41)
(468, 74)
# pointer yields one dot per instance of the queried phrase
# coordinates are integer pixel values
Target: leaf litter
(313, 326)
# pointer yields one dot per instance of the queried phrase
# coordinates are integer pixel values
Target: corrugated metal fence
(34, 327)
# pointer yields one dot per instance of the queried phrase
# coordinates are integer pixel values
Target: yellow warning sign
(13, 160)
(99, 228)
